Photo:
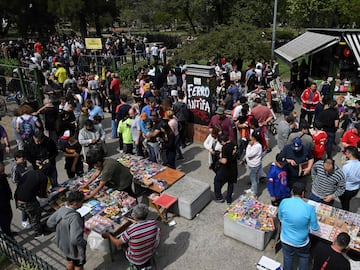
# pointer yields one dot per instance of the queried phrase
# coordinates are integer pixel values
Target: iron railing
(20, 255)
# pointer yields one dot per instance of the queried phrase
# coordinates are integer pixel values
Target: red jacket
(305, 97)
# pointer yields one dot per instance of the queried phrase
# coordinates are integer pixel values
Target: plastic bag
(98, 243)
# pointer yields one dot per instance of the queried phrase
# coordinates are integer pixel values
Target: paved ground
(190, 244)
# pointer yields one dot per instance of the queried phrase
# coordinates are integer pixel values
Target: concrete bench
(193, 195)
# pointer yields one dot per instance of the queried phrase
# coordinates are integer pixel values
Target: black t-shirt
(32, 184)
(299, 157)
(51, 114)
(327, 118)
(229, 170)
(156, 126)
(324, 255)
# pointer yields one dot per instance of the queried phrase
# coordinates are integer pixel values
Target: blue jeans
(315, 198)
(329, 143)
(114, 129)
(289, 252)
(254, 178)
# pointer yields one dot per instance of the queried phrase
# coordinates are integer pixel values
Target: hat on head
(281, 159)
(297, 144)
(220, 110)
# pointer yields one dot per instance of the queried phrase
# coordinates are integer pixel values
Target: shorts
(76, 263)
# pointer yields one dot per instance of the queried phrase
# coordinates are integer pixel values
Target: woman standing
(253, 159)
(213, 145)
(169, 144)
(227, 169)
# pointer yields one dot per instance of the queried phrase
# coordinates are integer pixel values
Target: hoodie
(278, 182)
(69, 232)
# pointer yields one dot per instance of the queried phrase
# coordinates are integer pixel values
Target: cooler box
(250, 236)
(193, 195)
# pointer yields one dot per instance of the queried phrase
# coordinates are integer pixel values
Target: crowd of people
(305, 160)
(152, 121)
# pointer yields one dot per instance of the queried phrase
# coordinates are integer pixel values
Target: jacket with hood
(69, 232)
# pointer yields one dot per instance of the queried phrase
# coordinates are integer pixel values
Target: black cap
(281, 159)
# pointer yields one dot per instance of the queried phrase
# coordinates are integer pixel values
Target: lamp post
(274, 31)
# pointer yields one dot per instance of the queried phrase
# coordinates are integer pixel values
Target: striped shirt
(325, 184)
(143, 239)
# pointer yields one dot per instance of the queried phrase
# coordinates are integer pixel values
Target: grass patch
(284, 68)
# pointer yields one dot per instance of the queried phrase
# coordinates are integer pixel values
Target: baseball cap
(281, 159)
(297, 144)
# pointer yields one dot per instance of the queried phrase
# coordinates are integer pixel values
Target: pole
(274, 31)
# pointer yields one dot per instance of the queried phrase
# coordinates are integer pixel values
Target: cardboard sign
(93, 43)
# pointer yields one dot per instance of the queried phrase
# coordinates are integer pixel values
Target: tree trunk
(83, 26)
(97, 25)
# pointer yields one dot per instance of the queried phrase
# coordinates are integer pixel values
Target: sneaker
(26, 225)
(219, 200)
(248, 190)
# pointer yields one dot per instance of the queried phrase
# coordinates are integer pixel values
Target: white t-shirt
(154, 51)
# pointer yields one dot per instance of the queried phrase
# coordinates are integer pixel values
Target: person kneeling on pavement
(142, 237)
(70, 231)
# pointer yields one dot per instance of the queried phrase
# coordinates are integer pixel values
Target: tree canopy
(40, 17)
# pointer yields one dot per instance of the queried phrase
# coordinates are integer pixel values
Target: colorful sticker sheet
(253, 213)
(333, 220)
(141, 168)
(108, 207)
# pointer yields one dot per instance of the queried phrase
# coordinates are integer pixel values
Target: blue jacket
(277, 183)
(288, 105)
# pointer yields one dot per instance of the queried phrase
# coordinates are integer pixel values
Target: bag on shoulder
(27, 129)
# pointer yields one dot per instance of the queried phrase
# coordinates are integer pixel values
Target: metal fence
(20, 255)
(27, 80)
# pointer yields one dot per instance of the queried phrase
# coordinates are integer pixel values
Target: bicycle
(17, 97)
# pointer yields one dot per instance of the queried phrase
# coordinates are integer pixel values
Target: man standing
(328, 181)
(277, 184)
(283, 131)
(93, 109)
(330, 257)
(264, 115)
(300, 161)
(330, 121)
(5, 207)
(297, 218)
(40, 151)
(220, 119)
(142, 238)
(33, 184)
(70, 231)
(303, 134)
(309, 98)
(351, 171)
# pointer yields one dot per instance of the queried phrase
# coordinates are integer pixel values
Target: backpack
(27, 129)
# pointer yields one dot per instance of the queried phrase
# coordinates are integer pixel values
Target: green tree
(233, 42)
